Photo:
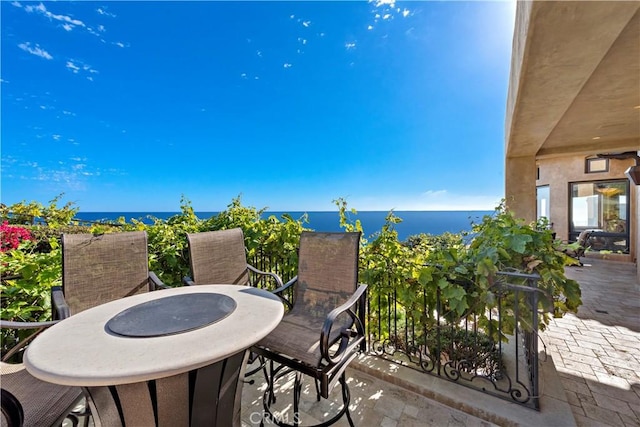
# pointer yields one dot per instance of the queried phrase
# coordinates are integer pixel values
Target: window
(601, 206)
(595, 165)
(542, 195)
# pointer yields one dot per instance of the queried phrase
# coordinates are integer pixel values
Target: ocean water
(413, 222)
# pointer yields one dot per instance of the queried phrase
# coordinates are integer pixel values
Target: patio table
(142, 364)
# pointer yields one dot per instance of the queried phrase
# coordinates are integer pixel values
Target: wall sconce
(633, 173)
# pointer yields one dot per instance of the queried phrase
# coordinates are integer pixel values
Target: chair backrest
(218, 257)
(103, 268)
(327, 272)
(583, 238)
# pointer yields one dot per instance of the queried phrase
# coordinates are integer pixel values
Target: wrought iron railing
(495, 351)
(492, 348)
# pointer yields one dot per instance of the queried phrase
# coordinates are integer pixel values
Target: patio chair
(220, 257)
(29, 401)
(577, 249)
(97, 269)
(323, 331)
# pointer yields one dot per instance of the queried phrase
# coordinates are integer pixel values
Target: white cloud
(56, 137)
(306, 23)
(37, 50)
(387, 10)
(370, 27)
(76, 67)
(73, 67)
(104, 12)
(41, 9)
(350, 46)
(120, 44)
(287, 65)
(68, 23)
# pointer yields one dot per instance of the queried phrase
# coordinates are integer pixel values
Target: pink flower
(11, 236)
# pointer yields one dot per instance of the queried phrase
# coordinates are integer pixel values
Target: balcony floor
(374, 402)
(597, 351)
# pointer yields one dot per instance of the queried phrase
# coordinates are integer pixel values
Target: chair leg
(297, 392)
(270, 382)
(346, 397)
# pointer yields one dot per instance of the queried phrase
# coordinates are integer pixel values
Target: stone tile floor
(597, 351)
(374, 403)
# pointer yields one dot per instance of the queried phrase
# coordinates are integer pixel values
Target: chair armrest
(11, 324)
(39, 326)
(155, 282)
(357, 297)
(188, 281)
(59, 306)
(278, 292)
(274, 276)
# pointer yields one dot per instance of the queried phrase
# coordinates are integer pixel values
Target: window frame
(590, 161)
(601, 239)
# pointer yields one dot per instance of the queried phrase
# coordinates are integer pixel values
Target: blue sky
(127, 106)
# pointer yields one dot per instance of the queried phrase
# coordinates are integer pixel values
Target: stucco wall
(558, 172)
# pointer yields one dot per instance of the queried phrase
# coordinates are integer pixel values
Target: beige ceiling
(577, 85)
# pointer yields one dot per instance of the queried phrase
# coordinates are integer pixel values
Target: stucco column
(520, 186)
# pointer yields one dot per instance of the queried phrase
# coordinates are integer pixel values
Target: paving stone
(620, 406)
(630, 421)
(591, 345)
(583, 421)
(577, 385)
(390, 406)
(613, 382)
(388, 422)
(581, 358)
(601, 414)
